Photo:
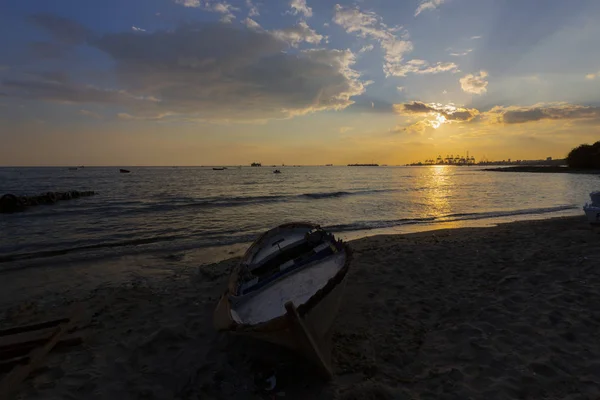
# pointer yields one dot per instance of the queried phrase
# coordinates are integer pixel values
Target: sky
(210, 82)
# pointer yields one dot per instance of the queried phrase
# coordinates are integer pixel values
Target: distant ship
(256, 164)
(329, 165)
(363, 165)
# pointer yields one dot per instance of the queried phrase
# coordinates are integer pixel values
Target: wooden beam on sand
(33, 327)
(301, 331)
(21, 348)
(12, 380)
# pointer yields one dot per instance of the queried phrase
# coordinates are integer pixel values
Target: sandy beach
(508, 312)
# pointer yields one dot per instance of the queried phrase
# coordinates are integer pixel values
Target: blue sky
(215, 82)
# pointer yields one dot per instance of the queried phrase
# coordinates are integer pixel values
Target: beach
(498, 313)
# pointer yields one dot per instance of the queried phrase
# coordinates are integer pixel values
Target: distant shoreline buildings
(460, 161)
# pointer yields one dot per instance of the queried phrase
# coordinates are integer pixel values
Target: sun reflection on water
(438, 183)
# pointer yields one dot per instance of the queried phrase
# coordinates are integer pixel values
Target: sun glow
(439, 120)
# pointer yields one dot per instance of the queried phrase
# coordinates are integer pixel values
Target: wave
(176, 203)
(231, 237)
(368, 225)
(325, 195)
(197, 240)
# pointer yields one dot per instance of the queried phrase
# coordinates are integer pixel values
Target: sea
(166, 210)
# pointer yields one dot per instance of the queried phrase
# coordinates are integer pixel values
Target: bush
(585, 156)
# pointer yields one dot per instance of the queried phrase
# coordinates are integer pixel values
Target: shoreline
(545, 169)
(500, 312)
(218, 252)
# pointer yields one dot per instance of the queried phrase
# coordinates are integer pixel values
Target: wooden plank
(21, 349)
(11, 341)
(301, 330)
(7, 365)
(33, 327)
(11, 381)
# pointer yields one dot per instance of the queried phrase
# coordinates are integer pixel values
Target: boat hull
(316, 316)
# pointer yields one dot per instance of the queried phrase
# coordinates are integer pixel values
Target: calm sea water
(173, 209)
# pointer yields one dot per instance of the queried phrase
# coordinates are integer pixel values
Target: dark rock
(10, 203)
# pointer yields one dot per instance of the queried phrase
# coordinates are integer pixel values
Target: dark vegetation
(583, 159)
(585, 156)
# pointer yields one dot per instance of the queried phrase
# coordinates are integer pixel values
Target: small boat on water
(592, 210)
(124, 171)
(219, 168)
(287, 290)
(277, 171)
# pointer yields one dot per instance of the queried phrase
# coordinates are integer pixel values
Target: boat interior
(288, 266)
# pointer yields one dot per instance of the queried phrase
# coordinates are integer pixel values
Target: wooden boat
(287, 290)
(219, 168)
(124, 171)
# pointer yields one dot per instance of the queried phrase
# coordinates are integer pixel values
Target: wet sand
(497, 313)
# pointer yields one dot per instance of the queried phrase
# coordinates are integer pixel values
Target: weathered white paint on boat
(297, 287)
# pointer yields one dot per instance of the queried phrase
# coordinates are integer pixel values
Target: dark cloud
(63, 30)
(556, 111)
(53, 76)
(48, 49)
(448, 111)
(213, 71)
(65, 92)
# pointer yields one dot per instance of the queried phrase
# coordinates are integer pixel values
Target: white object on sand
(592, 211)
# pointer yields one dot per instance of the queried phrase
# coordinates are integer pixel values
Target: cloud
(252, 24)
(449, 111)
(90, 114)
(240, 74)
(400, 88)
(300, 7)
(542, 111)
(462, 53)
(422, 67)
(367, 24)
(593, 76)
(252, 9)
(436, 114)
(136, 29)
(63, 30)
(476, 37)
(476, 84)
(298, 34)
(366, 48)
(344, 129)
(48, 50)
(223, 8)
(428, 5)
(65, 92)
